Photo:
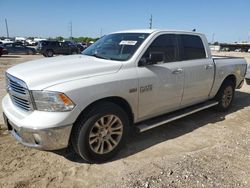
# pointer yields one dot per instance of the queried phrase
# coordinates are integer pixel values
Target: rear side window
(54, 43)
(166, 44)
(193, 47)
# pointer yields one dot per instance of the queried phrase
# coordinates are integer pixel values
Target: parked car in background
(5, 41)
(238, 50)
(17, 48)
(81, 46)
(3, 50)
(30, 42)
(49, 48)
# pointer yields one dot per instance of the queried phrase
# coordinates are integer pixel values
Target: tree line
(76, 39)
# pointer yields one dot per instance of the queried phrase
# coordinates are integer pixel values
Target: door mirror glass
(156, 57)
(152, 58)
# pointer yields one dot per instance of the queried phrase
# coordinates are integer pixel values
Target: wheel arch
(121, 102)
(231, 77)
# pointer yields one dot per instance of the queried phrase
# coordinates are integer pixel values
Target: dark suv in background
(49, 48)
(3, 50)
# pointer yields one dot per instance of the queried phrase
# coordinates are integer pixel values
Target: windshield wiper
(98, 56)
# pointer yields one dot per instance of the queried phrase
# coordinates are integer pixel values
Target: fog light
(37, 139)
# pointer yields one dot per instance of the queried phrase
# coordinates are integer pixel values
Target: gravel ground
(207, 149)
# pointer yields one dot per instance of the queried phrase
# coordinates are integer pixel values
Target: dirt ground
(207, 149)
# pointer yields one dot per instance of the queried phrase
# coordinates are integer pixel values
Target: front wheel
(225, 95)
(99, 135)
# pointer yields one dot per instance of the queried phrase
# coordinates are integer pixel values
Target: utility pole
(151, 22)
(100, 32)
(248, 38)
(70, 30)
(212, 38)
(7, 29)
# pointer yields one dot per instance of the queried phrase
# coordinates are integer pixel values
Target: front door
(160, 83)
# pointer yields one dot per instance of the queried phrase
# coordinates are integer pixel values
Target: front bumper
(45, 139)
(41, 130)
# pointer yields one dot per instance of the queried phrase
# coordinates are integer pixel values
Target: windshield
(118, 46)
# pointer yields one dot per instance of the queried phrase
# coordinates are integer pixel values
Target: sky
(223, 20)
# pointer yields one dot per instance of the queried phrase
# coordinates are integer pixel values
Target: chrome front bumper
(45, 139)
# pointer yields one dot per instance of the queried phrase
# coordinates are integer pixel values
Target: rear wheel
(225, 95)
(49, 53)
(99, 135)
(30, 52)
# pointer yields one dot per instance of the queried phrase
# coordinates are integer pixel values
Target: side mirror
(156, 57)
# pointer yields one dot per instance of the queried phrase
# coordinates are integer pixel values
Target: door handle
(177, 71)
(209, 67)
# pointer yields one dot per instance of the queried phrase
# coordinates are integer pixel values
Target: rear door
(198, 69)
(161, 84)
(9, 47)
(67, 47)
(19, 49)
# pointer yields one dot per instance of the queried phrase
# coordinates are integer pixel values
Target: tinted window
(193, 47)
(165, 44)
(8, 45)
(54, 43)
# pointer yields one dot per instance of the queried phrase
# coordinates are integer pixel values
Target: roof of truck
(156, 30)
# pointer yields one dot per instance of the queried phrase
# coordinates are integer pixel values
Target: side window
(165, 44)
(8, 45)
(193, 47)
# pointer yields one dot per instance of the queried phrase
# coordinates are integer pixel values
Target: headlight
(52, 101)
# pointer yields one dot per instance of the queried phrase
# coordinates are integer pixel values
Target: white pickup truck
(138, 78)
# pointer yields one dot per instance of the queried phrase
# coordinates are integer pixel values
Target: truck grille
(19, 93)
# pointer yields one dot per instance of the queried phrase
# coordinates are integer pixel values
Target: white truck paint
(149, 89)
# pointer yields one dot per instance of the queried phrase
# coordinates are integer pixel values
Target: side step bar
(161, 120)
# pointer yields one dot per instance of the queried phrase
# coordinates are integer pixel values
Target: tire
(30, 52)
(44, 55)
(92, 141)
(225, 95)
(49, 53)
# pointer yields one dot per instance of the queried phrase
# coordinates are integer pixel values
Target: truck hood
(46, 72)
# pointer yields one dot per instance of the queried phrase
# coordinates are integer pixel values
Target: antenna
(7, 29)
(151, 22)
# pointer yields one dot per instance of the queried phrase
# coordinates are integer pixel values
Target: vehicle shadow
(10, 56)
(141, 141)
